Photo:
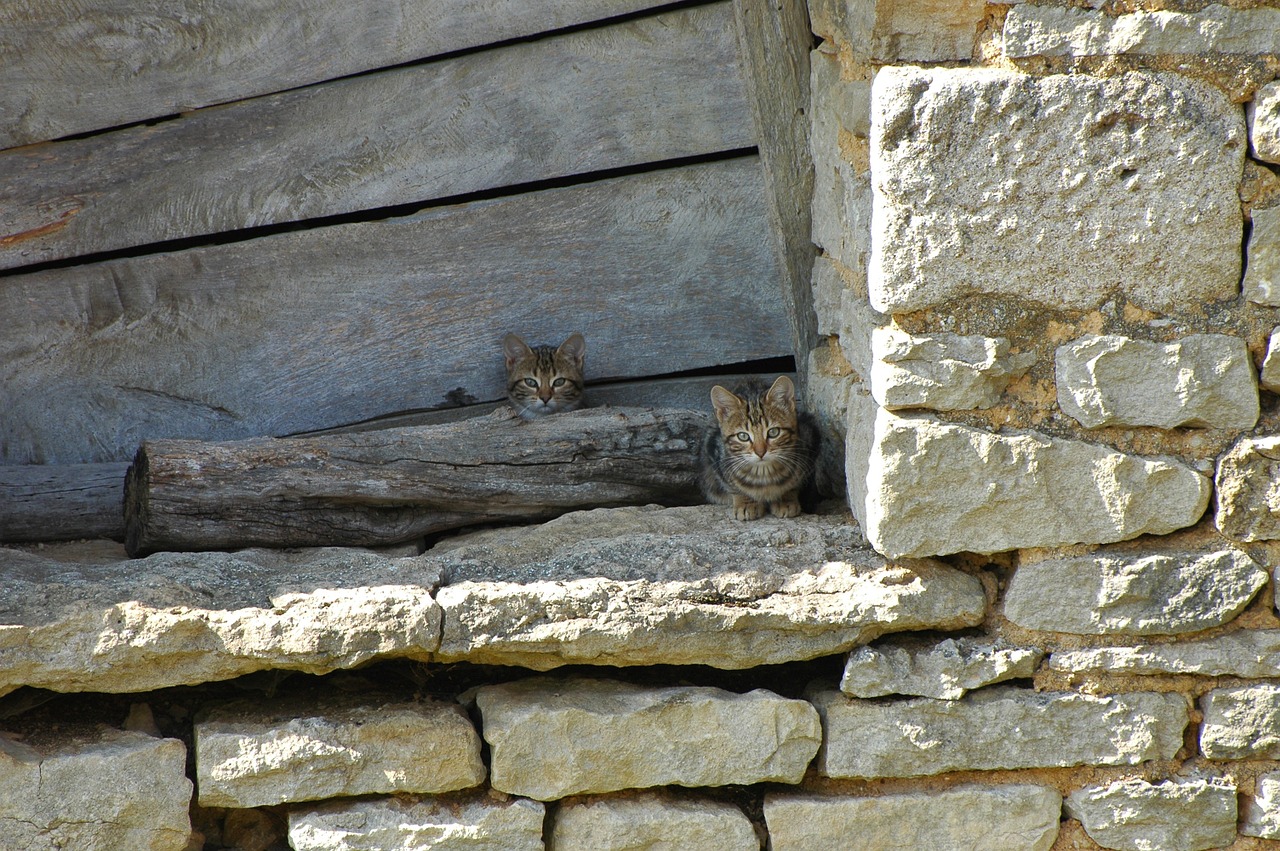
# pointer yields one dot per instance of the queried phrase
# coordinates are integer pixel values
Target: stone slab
(935, 488)
(1001, 727)
(645, 585)
(1241, 722)
(1201, 380)
(251, 755)
(1062, 189)
(1181, 814)
(1246, 653)
(104, 789)
(1031, 30)
(941, 372)
(1263, 115)
(651, 821)
(1262, 264)
(1261, 815)
(1247, 490)
(1158, 593)
(945, 669)
(550, 738)
(975, 818)
(468, 823)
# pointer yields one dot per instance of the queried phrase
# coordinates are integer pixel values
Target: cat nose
(544, 395)
(760, 449)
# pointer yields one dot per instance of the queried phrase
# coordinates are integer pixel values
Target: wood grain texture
(663, 272)
(62, 503)
(69, 68)
(391, 485)
(643, 91)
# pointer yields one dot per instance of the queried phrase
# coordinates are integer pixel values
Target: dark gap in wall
(762, 365)
(376, 214)
(1244, 250)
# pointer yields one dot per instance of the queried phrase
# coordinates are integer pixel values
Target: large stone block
(470, 823)
(104, 790)
(934, 488)
(1263, 115)
(680, 586)
(995, 728)
(651, 821)
(1032, 30)
(941, 372)
(1204, 380)
(1241, 722)
(1059, 189)
(1244, 653)
(1174, 815)
(1261, 815)
(1262, 266)
(890, 31)
(1247, 490)
(551, 738)
(977, 818)
(1150, 594)
(946, 669)
(250, 755)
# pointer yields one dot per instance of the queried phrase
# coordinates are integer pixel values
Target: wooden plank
(392, 485)
(70, 68)
(663, 272)
(651, 89)
(62, 503)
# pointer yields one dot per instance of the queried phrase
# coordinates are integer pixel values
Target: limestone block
(1263, 115)
(1262, 809)
(1056, 31)
(101, 789)
(251, 755)
(185, 618)
(946, 669)
(995, 728)
(470, 823)
(643, 586)
(1247, 490)
(1262, 266)
(840, 113)
(550, 738)
(1270, 377)
(975, 818)
(942, 372)
(1152, 594)
(651, 821)
(934, 488)
(1061, 189)
(1182, 814)
(889, 31)
(1245, 653)
(1241, 722)
(1204, 380)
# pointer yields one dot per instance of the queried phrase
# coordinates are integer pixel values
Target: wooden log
(643, 91)
(663, 272)
(381, 487)
(71, 68)
(62, 503)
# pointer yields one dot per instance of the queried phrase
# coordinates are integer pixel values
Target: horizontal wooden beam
(62, 502)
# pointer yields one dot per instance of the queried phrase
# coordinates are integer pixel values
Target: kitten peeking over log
(544, 380)
(762, 455)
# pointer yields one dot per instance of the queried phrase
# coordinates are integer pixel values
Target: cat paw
(747, 509)
(785, 508)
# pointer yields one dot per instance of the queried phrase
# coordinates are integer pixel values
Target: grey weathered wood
(663, 272)
(639, 92)
(74, 67)
(62, 503)
(380, 487)
(776, 41)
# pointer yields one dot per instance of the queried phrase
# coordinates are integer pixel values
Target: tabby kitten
(544, 379)
(762, 455)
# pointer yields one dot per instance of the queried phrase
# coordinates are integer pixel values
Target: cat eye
(774, 432)
(743, 436)
(558, 382)
(532, 382)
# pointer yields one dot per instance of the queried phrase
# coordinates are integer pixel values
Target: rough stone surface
(1263, 115)
(550, 738)
(1061, 189)
(185, 618)
(1247, 490)
(1270, 376)
(1153, 594)
(1262, 266)
(941, 372)
(651, 822)
(890, 31)
(1262, 809)
(1245, 653)
(934, 488)
(978, 818)
(995, 728)
(945, 669)
(250, 755)
(637, 586)
(841, 208)
(1174, 815)
(470, 823)
(103, 789)
(1055, 31)
(1241, 722)
(1204, 380)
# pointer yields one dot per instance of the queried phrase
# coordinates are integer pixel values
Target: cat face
(759, 431)
(544, 379)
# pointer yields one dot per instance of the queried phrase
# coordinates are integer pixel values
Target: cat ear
(782, 394)
(724, 402)
(515, 349)
(575, 347)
